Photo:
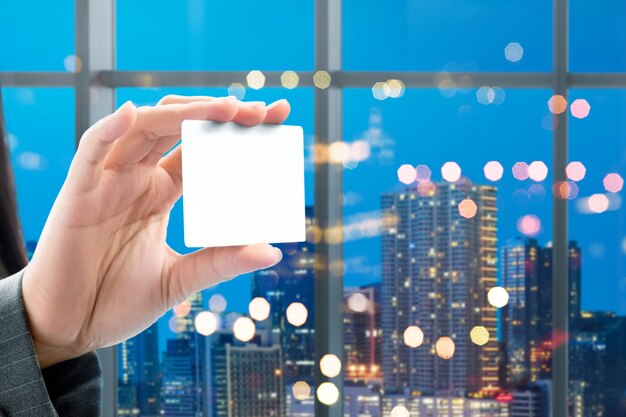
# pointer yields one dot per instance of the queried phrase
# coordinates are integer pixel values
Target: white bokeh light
(244, 329)
(498, 297)
(297, 314)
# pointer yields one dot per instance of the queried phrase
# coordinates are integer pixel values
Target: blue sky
(423, 127)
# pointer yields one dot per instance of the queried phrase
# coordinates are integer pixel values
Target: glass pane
(452, 35)
(40, 127)
(597, 36)
(441, 196)
(173, 369)
(37, 35)
(211, 35)
(598, 228)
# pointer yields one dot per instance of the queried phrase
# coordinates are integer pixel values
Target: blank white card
(242, 185)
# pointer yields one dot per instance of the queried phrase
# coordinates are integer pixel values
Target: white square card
(242, 185)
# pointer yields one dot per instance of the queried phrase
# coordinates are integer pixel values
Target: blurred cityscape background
(447, 194)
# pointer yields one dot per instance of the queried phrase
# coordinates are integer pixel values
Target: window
(465, 250)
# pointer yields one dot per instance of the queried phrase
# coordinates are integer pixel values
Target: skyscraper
(541, 357)
(243, 379)
(527, 319)
(598, 364)
(520, 318)
(362, 333)
(436, 270)
(138, 374)
(291, 280)
(183, 365)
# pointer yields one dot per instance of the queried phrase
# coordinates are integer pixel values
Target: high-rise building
(526, 331)
(437, 268)
(138, 374)
(448, 406)
(519, 272)
(182, 387)
(541, 353)
(362, 334)
(531, 401)
(291, 280)
(545, 285)
(243, 379)
(598, 365)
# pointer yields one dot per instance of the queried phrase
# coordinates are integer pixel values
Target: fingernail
(229, 98)
(282, 100)
(253, 104)
(123, 106)
(279, 253)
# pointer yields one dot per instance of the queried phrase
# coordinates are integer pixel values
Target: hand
(102, 271)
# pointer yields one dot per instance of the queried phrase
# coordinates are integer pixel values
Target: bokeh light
(72, 63)
(259, 308)
(327, 393)
(451, 171)
(321, 80)
(520, 171)
(301, 390)
(423, 173)
(426, 189)
(530, 225)
(598, 203)
(575, 171)
(217, 303)
(467, 208)
(407, 173)
(379, 91)
(399, 411)
(244, 329)
(177, 324)
(493, 170)
(557, 104)
(330, 365)
(550, 122)
(206, 323)
(498, 297)
(537, 171)
(289, 79)
(182, 309)
(580, 108)
(413, 336)
(255, 79)
(297, 314)
(479, 335)
(444, 347)
(513, 52)
(613, 183)
(565, 190)
(394, 88)
(490, 95)
(237, 90)
(358, 302)
(537, 193)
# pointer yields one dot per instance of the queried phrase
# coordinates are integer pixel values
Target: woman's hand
(102, 271)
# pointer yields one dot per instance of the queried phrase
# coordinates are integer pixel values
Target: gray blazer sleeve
(71, 388)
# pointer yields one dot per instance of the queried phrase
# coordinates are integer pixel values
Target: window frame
(95, 86)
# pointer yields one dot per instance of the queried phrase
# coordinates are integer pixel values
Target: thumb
(96, 143)
(210, 266)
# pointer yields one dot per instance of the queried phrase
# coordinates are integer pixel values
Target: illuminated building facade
(243, 379)
(138, 374)
(437, 268)
(520, 318)
(291, 280)
(362, 336)
(448, 406)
